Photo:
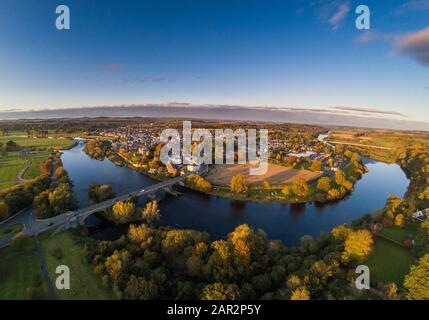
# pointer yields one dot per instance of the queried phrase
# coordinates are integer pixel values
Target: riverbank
(219, 215)
(256, 191)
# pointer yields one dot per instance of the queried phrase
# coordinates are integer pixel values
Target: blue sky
(301, 54)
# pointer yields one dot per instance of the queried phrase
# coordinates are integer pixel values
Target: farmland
(38, 143)
(24, 164)
(276, 175)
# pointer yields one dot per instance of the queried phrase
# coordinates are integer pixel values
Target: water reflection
(219, 216)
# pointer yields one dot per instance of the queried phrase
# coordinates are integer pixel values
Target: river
(219, 216)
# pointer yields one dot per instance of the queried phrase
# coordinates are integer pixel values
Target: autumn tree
(300, 188)
(341, 232)
(316, 165)
(238, 183)
(220, 291)
(324, 184)
(300, 293)
(139, 288)
(200, 183)
(4, 211)
(339, 177)
(123, 212)
(425, 194)
(60, 171)
(151, 212)
(357, 246)
(399, 220)
(247, 245)
(425, 226)
(45, 167)
(392, 291)
(416, 283)
(266, 185)
(334, 194)
(100, 192)
(139, 234)
(116, 262)
(286, 191)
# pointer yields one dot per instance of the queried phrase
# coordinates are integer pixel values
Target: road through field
(360, 145)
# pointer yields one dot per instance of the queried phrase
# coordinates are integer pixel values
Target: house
(193, 166)
(420, 215)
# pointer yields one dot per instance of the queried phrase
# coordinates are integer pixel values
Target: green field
(12, 229)
(34, 170)
(400, 234)
(11, 165)
(17, 269)
(389, 262)
(25, 142)
(84, 283)
(9, 169)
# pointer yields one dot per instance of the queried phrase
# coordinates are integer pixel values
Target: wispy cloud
(139, 79)
(111, 67)
(339, 15)
(233, 112)
(368, 110)
(415, 45)
(413, 6)
(412, 44)
(330, 12)
(371, 36)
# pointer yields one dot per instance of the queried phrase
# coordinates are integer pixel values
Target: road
(33, 226)
(25, 218)
(22, 171)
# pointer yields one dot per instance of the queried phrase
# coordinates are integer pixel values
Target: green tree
(100, 192)
(425, 226)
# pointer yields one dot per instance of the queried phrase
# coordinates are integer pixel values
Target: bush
(36, 281)
(20, 240)
(57, 254)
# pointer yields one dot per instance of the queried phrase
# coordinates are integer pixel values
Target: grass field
(84, 283)
(25, 142)
(9, 169)
(11, 165)
(17, 269)
(276, 175)
(34, 169)
(389, 262)
(400, 234)
(12, 229)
